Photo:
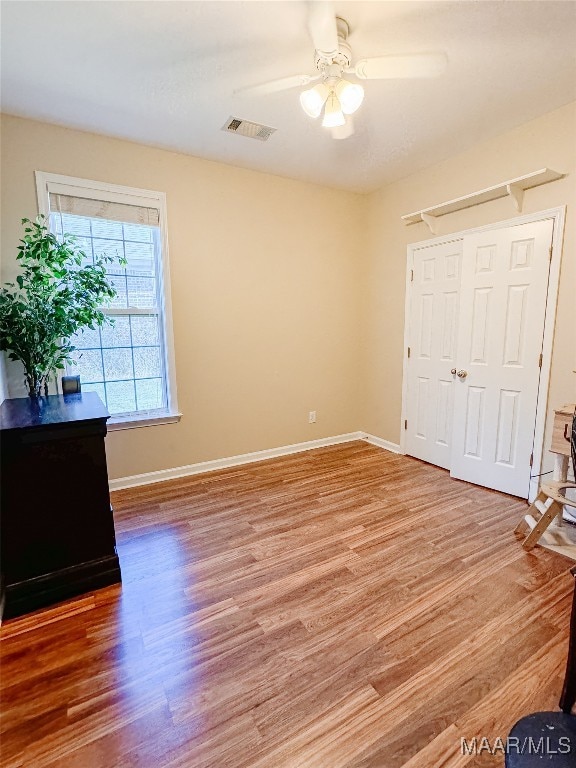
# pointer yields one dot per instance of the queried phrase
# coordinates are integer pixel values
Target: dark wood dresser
(57, 536)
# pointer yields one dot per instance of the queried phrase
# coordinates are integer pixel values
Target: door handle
(453, 371)
(462, 374)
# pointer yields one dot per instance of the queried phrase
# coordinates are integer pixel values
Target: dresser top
(27, 412)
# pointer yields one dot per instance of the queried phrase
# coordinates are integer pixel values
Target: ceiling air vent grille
(248, 129)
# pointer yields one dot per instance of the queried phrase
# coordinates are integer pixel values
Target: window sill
(131, 422)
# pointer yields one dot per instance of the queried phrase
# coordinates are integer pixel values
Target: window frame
(47, 183)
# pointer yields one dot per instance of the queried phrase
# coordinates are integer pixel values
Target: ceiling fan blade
(408, 65)
(322, 26)
(344, 131)
(273, 86)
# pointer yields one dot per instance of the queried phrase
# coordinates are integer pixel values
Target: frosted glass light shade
(313, 99)
(344, 131)
(333, 115)
(350, 95)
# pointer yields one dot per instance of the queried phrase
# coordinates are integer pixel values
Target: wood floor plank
(522, 691)
(341, 608)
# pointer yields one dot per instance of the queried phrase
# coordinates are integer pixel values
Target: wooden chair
(547, 505)
(551, 498)
(549, 731)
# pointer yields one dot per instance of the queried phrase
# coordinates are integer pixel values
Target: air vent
(247, 128)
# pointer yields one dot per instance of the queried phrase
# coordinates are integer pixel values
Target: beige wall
(549, 141)
(289, 297)
(265, 293)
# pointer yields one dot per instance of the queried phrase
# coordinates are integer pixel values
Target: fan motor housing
(343, 57)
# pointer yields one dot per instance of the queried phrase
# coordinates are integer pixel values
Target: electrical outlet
(312, 417)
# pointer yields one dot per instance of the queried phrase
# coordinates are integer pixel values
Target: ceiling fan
(334, 96)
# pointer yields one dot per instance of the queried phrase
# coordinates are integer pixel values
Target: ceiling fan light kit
(333, 115)
(313, 99)
(350, 96)
(335, 95)
(338, 99)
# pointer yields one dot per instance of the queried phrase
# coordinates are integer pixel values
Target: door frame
(558, 216)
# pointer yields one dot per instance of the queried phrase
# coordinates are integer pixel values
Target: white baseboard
(245, 458)
(386, 444)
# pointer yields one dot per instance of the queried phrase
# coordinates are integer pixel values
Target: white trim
(406, 344)
(231, 461)
(53, 182)
(131, 422)
(161, 475)
(124, 311)
(71, 185)
(558, 216)
(528, 218)
(381, 443)
(514, 188)
(547, 344)
(3, 382)
(166, 294)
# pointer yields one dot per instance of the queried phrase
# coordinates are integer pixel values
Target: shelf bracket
(513, 188)
(517, 193)
(430, 221)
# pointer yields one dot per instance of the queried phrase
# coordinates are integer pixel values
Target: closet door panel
(501, 325)
(433, 336)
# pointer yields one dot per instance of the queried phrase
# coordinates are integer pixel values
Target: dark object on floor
(544, 738)
(549, 738)
(567, 516)
(58, 536)
(568, 697)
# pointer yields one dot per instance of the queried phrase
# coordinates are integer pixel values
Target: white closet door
(502, 309)
(433, 326)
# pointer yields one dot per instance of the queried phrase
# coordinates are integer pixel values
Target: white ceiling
(164, 73)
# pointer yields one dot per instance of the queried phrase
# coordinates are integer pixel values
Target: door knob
(453, 371)
(462, 374)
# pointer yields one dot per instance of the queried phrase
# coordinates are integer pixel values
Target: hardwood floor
(341, 607)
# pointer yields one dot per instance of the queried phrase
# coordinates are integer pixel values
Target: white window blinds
(104, 209)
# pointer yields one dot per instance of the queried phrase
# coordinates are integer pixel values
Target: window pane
(149, 393)
(85, 245)
(145, 330)
(120, 396)
(56, 224)
(87, 339)
(109, 248)
(98, 388)
(88, 364)
(147, 362)
(140, 258)
(118, 364)
(138, 232)
(76, 225)
(108, 229)
(119, 284)
(141, 292)
(117, 335)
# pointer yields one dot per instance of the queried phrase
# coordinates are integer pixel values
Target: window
(130, 363)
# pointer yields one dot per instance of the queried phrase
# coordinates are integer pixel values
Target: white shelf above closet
(513, 188)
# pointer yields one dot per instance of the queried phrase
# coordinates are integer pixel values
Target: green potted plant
(54, 297)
